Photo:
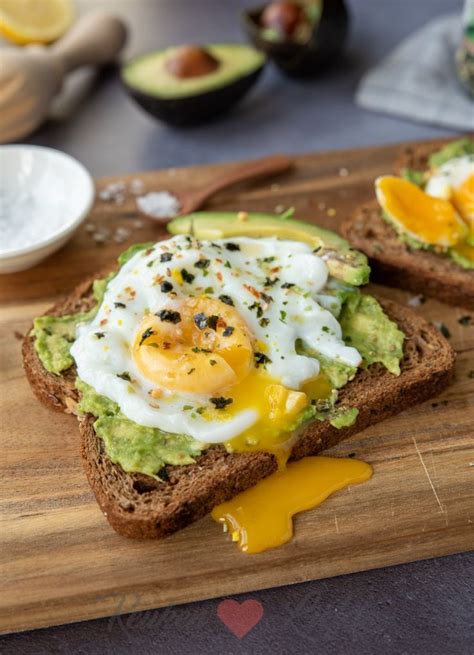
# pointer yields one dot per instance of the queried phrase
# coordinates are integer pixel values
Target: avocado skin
(309, 59)
(343, 262)
(196, 109)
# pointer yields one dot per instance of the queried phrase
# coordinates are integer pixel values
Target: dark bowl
(307, 59)
(198, 108)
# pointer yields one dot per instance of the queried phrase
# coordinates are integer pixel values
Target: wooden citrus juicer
(193, 199)
(30, 77)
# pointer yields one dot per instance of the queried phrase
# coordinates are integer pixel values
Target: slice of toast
(393, 263)
(139, 506)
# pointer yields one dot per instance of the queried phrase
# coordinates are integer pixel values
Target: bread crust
(139, 506)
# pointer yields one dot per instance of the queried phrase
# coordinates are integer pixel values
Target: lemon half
(35, 21)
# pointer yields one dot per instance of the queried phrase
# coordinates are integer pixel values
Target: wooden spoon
(30, 77)
(190, 201)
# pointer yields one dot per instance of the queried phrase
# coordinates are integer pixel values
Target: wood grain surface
(62, 562)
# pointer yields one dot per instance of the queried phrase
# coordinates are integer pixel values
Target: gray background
(424, 607)
(110, 134)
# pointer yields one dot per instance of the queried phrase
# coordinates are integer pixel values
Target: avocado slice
(343, 262)
(192, 96)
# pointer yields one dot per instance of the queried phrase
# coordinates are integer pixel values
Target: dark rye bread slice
(139, 506)
(416, 157)
(55, 390)
(394, 264)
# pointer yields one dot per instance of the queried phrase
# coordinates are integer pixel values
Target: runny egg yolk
(203, 347)
(277, 408)
(261, 517)
(431, 220)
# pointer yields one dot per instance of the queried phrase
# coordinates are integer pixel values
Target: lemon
(35, 21)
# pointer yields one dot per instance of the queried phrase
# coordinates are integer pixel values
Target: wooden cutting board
(62, 562)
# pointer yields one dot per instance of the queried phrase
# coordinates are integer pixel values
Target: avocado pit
(284, 18)
(191, 61)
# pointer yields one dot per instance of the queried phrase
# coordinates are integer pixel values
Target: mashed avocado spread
(54, 334)
(147, 450)
(135, 447)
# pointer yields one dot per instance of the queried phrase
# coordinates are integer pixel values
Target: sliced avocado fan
(342, 261)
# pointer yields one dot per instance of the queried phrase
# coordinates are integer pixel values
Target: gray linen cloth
(418, 79)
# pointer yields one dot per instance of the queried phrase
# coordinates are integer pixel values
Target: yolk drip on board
(261, 517)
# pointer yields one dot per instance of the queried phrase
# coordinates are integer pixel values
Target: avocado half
(309, 59)
(192, 100)
(343, 262)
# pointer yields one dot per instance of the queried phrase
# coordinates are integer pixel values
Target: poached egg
(198, 338)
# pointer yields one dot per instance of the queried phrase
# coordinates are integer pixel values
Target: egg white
(295, 312)
(451, 175)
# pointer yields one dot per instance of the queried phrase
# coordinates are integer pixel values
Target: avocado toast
(398, 257)
(157, 503)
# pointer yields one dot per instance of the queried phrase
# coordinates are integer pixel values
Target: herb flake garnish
(221, 402)
(166, 287)
(227, 300)
(166, 257)
(258, 307)
(119, 305)
(269, 282)
(202, 263)
(261, 359)
(148, 333)
(124, 376)
(228, 331)
(187, 276)
(169, 316)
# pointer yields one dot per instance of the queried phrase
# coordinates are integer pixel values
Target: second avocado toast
(411, 255)
(162, 480)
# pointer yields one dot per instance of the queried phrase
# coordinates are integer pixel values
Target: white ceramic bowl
(44, 196)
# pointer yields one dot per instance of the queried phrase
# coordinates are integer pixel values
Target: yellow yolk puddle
(261, 517)
(432, 220)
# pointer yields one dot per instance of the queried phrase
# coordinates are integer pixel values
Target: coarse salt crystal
(159, 204)
(113, 191)
(137, 186)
